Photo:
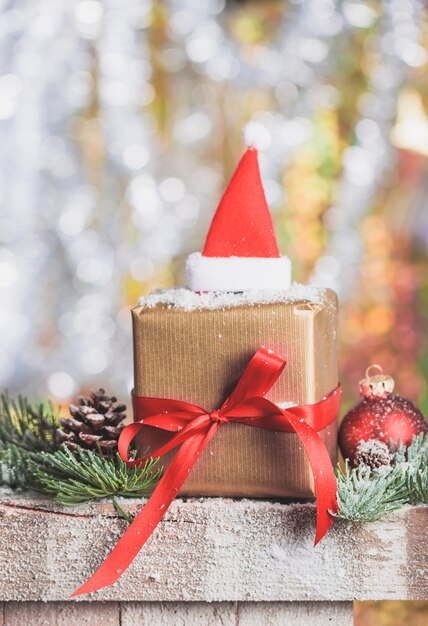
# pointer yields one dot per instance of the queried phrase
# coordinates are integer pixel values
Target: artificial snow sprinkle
(183, 298)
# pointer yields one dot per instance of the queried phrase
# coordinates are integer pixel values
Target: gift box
(194, 347)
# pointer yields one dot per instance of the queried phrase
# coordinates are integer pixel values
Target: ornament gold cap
(376, 385)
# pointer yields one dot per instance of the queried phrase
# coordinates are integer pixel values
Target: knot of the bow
(216, 416)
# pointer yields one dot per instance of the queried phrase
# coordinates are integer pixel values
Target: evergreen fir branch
(29, 426)
(84, 476)
(399, 454)
(417, 451)
(414, 459)
(417, 486)
(25, 428)
(366, 495)
(417, 470)
(14, 467)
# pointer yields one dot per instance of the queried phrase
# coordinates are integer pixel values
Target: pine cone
(373, 454)
(94, 424)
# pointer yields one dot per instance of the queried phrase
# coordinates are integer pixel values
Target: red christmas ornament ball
(380, 415)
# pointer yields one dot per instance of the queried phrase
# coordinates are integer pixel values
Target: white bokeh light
(61, 385)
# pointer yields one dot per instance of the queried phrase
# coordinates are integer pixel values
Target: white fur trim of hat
(205, 273)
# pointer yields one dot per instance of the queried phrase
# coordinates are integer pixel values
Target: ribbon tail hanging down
(283, 420)
(149, 517)
(323, 474)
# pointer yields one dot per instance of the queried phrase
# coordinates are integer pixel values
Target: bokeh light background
(120, 124)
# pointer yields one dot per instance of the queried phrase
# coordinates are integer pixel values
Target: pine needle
(31, 459)
(29, 426)
(13, 467)
(25, 428)
(366, 495)
(417, 471)
(77, 478)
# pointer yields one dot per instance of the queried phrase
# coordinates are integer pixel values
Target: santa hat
(241, 252)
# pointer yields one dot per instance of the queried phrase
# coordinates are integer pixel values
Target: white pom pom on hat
(240, 251)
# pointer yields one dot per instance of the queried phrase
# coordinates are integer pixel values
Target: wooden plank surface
(61, 614)
(294, 614)
(233, 613)
(179, 613)
(214, 550)
(176, 613)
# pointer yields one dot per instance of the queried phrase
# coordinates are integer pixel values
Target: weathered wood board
(212, 550)
(176, 613)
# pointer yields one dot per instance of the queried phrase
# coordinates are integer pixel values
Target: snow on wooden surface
(212, 550)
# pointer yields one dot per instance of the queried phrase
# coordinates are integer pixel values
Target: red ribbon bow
(195, 427)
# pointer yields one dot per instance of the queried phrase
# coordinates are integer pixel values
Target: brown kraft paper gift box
(198, 354)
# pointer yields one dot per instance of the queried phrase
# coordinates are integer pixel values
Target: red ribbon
(195, 427)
